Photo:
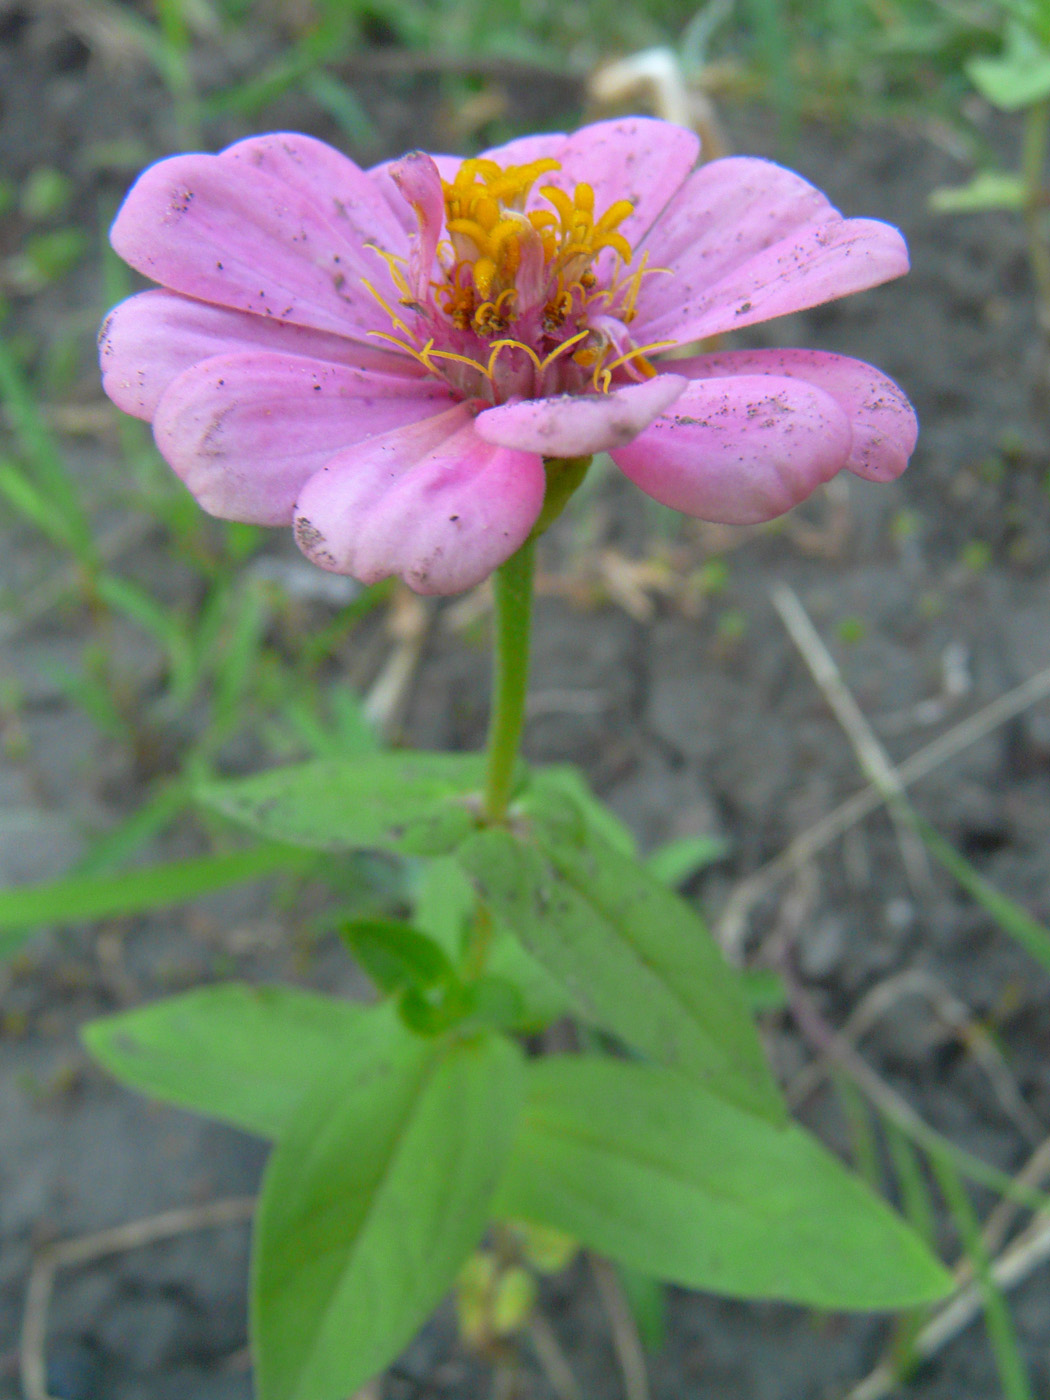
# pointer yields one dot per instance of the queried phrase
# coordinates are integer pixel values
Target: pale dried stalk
(552, 1359)
(872, 757)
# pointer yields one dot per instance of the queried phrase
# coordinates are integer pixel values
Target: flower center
(494, 243)
(515, 301)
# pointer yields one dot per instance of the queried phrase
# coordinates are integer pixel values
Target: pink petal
(725, 213)
(152, 337)
(523, 150)
(419, 181)
(381, 177)
(245, 431)
(740, 450)
(819, 264)
(215, 228)
(342, 192)
(430, 502)
(577, 425)
(635, 158)
(746, 240)
(883, 421)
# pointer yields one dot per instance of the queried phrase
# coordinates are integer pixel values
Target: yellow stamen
(498, 345)
(394, 265)
(561, 202)
(451, 355)
(604, 372)
(394, 317)
(565, 345)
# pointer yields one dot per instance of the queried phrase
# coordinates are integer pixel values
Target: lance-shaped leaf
(411, 803)
(665, 1178)
(632, 956)
(374, 1197)
(245, 1055)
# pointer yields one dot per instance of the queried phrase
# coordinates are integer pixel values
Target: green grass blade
(123, 841)
(43, 457)
(915, 1195)
(85, 897)
(861, 1129)
(1015, 921)
(1013, 1373)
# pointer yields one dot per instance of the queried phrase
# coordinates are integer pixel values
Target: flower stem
(513, 583)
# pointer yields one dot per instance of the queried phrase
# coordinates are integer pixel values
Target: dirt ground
(690, 713)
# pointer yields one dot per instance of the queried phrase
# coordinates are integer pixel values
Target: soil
(690, 710)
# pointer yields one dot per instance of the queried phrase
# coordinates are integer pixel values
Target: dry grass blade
(874, 762)
(952, 1013)
(732, 926)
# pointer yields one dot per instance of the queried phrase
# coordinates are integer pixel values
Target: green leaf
(551, 787)
(245, 1055)
(678, 861)
(490, 1003)
(1019, 78)
(410, 803)
(444, 904)
(667, 1179)
(992, 189)
(632, 957)
(396, 956)
(377, 1193)
(82, 897)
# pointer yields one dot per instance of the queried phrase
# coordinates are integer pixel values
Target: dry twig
(626, 1341)
(87, 1248)
(552, 1359)
(408, 623)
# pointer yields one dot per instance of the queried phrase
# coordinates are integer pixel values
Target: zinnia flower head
(387, 358)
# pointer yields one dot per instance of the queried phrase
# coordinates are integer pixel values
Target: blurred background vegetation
(203, 646)
(229, 679)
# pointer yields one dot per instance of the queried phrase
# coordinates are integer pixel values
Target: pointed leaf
(680, 860)
(1019, 77)
(632, 956)
(411, 803)
(77, 898)
(992, 189)
(242, 1054)
(552, 786)
(667, 1179)
(395, 955)
(375, 1196)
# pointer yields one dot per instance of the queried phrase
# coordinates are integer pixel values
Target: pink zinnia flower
(386, 357)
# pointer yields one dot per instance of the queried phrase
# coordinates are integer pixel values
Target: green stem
(513, 582)
(1033, 163)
